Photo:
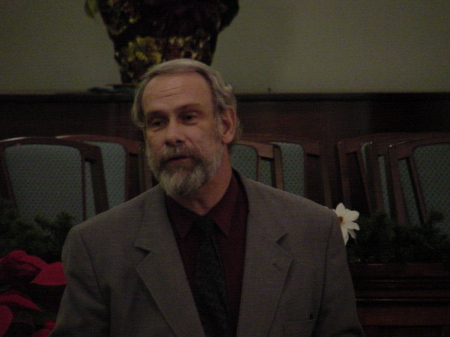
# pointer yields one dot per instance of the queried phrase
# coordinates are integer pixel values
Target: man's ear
(228, 125)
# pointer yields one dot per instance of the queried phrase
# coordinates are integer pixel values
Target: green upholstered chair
(304, 167)
(122, 162)
(419, 179)
(258, 161)
(363, 169)
(48, 175)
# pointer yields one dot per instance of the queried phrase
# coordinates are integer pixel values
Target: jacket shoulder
(129, 212)
(270, 196)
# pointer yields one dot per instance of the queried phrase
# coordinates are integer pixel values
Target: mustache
(171, 153)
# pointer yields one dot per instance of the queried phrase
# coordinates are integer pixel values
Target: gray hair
(222, 93)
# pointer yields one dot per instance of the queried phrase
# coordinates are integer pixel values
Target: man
(133, 270)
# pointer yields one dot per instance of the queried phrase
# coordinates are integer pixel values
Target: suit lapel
(265, 272)
(163, 273)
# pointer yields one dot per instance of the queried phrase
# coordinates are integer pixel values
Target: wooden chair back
(419, 178)
(123, 165)
(258, 161)
(48, 175)
(304, 166)
(363, 171)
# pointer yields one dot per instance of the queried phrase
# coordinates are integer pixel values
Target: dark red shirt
(230, 215)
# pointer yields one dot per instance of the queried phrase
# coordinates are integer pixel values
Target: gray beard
(184, 180)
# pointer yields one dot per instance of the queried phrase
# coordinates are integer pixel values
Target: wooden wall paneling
(404, 300)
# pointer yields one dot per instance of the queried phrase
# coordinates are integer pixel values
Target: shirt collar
(183, 218)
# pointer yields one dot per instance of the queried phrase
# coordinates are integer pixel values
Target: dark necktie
(210, 294)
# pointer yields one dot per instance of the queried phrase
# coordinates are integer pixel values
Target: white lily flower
(346, 218)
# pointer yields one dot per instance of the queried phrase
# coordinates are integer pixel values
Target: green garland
(382, 240)
(379, 240)
(43, 237)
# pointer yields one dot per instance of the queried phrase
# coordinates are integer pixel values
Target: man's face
(184, 145)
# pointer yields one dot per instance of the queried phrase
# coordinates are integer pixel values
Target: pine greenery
(42, 237)
(382, 240)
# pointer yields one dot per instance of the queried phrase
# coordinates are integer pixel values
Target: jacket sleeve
(337, 316)
(83, 310)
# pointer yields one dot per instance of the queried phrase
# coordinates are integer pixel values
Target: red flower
(19, 264)
(29, 284)
(12, 302)
(51, 275)
(15, 299)
(48, 286)
(6, 317)
(44, 332)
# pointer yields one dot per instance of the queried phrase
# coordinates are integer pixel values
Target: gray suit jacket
(126, 277)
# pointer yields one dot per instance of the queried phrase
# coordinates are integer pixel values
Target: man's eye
(189, 117)
(154, 123)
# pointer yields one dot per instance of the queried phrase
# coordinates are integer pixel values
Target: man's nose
(174, 134)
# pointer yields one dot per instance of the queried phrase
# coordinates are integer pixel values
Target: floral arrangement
(30, 292)
(382, 240)
(31, 275)
(148, 32)
(192, 13)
